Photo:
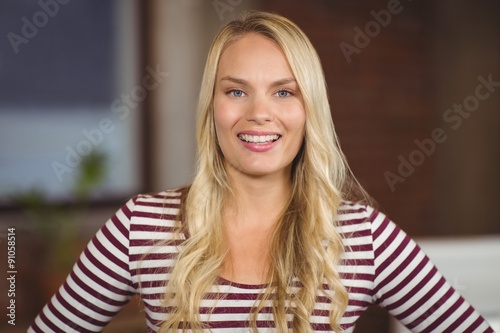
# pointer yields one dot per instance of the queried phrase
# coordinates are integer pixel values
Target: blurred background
(98, 98)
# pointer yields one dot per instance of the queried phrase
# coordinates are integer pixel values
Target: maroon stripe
(149, 242)
(361, 248)
(321, 327)
(321, 313)
(126, 210)
(152, 256)
(368, 263)
(360, 303)
(381, 228)
(156, 216)
(152, 228)
(154, 296)
(322, 299)
(359, 290)
(151, 270)
(144, 203)
(351, 222)
(345, 327)
(118, 224)
(356, 313)
(239, 324)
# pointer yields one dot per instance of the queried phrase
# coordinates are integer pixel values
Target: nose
(260, 110)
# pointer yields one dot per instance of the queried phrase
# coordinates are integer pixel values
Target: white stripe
(142, 220)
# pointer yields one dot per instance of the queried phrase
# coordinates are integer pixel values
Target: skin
(256, 94)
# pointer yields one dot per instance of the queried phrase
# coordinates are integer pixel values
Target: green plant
(58, 224)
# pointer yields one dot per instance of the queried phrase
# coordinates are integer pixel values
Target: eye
(284, 93)
(235, 93)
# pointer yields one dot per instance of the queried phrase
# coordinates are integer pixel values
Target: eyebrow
(245, 82)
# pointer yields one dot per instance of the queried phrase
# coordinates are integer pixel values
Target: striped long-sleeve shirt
(383, 266)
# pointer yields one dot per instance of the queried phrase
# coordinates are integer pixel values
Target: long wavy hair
(306, 248)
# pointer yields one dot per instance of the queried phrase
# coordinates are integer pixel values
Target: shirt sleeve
(99, 284)
(410, 287)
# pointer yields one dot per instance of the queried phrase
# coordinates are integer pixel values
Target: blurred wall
(466, 53)
(179, 33)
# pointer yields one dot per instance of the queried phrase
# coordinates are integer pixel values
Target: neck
(251, 218)
(259, 199)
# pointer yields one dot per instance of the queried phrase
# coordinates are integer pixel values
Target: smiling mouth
(258, 138)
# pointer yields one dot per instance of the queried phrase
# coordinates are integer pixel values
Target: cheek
(296, 120)
(223, 120)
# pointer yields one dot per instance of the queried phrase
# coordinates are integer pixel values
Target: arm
(99, 284)
(411, 288)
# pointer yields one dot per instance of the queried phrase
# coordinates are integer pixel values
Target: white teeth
(258, 138)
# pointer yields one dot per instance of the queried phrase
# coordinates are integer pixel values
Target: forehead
(253, 55)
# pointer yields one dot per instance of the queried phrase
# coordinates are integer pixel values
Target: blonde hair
(306, 245)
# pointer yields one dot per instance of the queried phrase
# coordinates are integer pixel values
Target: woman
(256, 242)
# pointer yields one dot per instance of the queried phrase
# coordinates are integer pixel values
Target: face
(258, 109)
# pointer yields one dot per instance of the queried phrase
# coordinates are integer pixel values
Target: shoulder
(355, 213)
(357, 217)
(153, 209)
(157, 203)
(167, 196)
(154, 216)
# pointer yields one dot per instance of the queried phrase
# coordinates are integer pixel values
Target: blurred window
(63, 65)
